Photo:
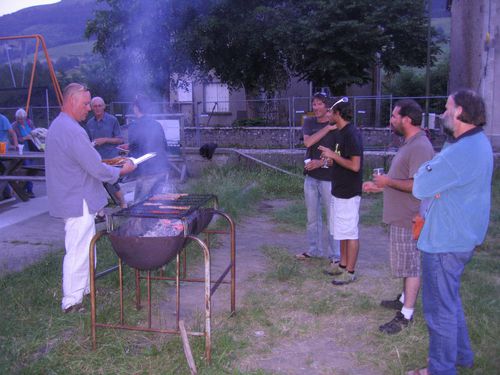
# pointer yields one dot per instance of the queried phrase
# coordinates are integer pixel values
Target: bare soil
(336, 343)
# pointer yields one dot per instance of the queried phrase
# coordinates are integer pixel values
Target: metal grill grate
(168, 206)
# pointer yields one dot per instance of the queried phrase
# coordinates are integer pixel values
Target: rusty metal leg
(208, 299)
(92, 286)
(120, 280)
(233, 266)
(184, 263)
(233, 259)
(149, 298)
(137, 289)
(177, 291)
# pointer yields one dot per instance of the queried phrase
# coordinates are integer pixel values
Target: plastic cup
(378, 171)
(3, 147)
(307, 161)
(20, 149)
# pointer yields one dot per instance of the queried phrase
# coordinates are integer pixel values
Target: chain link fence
(371, 114)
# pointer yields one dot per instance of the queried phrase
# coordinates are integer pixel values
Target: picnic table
(13, 172)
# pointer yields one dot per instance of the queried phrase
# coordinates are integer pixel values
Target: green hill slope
(60, 24)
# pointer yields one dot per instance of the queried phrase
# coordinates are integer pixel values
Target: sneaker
(335, 270)
(393, 304)
(344, 278)
(395, 325)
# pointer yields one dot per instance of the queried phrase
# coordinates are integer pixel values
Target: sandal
(303, 256)
(422, 371)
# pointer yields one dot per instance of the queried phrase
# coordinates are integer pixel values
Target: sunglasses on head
(322, 94)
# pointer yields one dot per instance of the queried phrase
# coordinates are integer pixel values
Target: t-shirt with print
(401, 207)
(311, 126)
(347, 183)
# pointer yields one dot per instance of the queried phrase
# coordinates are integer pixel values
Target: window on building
(216, 97)
(185, 94)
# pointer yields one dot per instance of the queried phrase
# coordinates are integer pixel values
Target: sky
(10, 6)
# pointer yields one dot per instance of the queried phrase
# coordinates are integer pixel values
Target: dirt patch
(311, 326)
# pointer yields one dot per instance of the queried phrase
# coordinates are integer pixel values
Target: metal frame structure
(39, 41)
(179, 276)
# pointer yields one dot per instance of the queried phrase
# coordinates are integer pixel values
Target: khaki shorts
(403, 253)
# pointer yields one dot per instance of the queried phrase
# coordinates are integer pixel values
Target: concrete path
(27, 234)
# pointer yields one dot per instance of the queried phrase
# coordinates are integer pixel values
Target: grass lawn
(36, 338)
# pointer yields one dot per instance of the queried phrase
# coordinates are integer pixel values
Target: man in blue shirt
(104, 132)
(457, 182)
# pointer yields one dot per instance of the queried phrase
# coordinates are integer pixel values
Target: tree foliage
(259, 44)
(341, 41)
(135, 38)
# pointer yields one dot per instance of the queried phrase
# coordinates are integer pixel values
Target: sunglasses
(320, 94)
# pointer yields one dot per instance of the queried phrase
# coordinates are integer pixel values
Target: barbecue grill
(157, 228)
(148, 235)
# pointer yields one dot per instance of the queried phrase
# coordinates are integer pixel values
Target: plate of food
(119, 161)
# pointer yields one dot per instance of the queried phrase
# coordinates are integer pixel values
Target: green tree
(260, 44)
(341, 41)
(135, 38)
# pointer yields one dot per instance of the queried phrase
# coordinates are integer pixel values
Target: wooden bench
(22, 178)
(37, 168)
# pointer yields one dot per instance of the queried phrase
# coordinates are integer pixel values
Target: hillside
(61, 23)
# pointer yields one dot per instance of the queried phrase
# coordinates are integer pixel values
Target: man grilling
(75, 174)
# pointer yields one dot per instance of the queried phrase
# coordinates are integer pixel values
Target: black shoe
(100, 219)
(30, 194)
(393, 304)
(395, 325)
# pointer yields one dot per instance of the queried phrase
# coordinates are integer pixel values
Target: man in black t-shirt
(347, 155)
(317, 183)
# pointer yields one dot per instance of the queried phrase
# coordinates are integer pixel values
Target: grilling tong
(142, 158)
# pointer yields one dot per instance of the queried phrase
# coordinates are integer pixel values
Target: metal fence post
(290, 123)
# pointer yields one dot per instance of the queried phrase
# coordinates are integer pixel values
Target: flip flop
(303, 256)
(422, 371)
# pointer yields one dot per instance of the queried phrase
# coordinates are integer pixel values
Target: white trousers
(76, 277)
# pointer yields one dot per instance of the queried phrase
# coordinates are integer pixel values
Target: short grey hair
(97, 99)
(72, 89)
(21, 113)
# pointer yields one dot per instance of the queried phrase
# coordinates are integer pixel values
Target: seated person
(23, 128)
(6, 131)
